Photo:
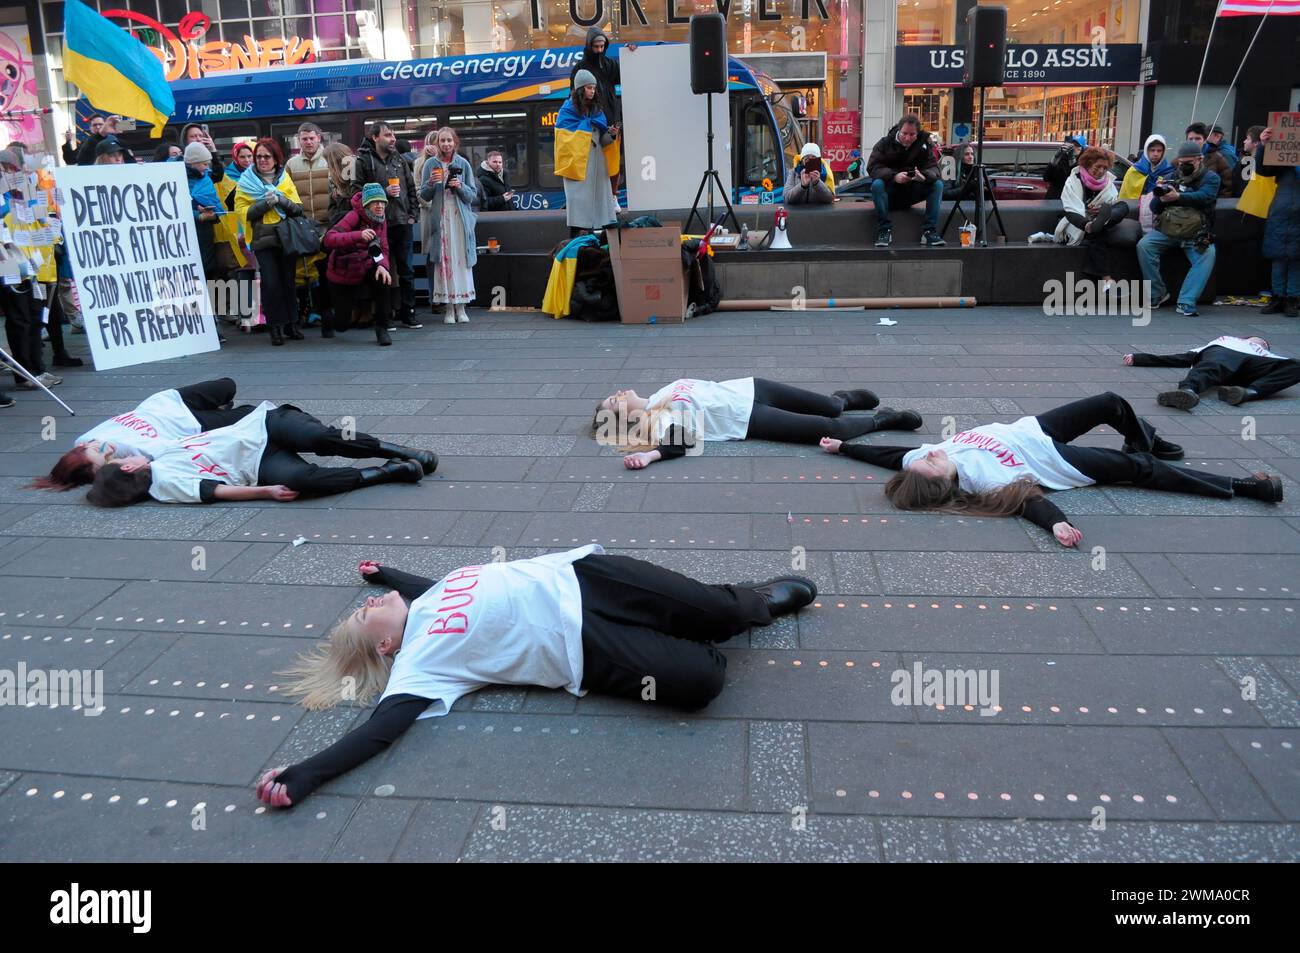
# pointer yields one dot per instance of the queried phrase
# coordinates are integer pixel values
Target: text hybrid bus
(506, 101)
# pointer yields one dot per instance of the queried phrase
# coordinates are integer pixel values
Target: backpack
(1181, 222)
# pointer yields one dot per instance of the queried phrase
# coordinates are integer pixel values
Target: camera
(811, 164)
(1162, 189)
(375, 249)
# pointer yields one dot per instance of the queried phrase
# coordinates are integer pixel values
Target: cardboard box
(648, 275)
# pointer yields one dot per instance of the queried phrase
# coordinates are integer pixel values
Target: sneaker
(6, 401)
(932, 239)
(1259, 486)
(1181, 399)
(1042, 238)
(884, 238)
(887, 418)
(1276, 304)
(49, 380)
(1164, 300)
(408, 321)
(1187, 311)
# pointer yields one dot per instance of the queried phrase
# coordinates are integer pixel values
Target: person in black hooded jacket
(596, 60)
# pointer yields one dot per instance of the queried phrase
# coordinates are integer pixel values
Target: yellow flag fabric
(226, 228)
(571, 147)
(1131, 187)
(1258, 196)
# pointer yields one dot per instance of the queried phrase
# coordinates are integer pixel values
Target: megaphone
(780, 239)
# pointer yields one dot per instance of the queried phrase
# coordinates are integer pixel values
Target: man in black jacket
(904, 171)
(493, 185)
(379, 161)
(1062, 164)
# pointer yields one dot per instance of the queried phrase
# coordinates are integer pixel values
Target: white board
(665, 127)
(134, 252)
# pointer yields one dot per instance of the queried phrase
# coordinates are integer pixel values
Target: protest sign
(1284, 147)
(135, 255)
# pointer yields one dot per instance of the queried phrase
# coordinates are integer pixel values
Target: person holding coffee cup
(448, 189)
(378, 161)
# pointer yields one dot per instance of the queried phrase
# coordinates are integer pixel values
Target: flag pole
(1205, 59)
(1258, 30)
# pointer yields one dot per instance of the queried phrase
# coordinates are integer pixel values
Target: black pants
(206, 400)
(289, 432)
(793, 415)
(279, 296)
(23, 328)
(1097, 244)
(642, 621)
(54, 326)
(345, 299)
(1100, 464)
(1267, 375)
(399, 253)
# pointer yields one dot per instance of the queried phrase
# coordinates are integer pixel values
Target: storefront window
(1059, 32)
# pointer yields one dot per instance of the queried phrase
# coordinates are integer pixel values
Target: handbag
(1181, 222)
(298, 235)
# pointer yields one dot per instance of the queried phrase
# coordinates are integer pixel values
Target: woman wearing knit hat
(205, 204)
(358, 264)
(586, 157)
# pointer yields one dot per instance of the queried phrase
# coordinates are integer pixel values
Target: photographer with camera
(805, 185)
(1062, 164)
(358, 263)
(1184, 218)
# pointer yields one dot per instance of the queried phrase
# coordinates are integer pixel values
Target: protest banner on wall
(135, 255)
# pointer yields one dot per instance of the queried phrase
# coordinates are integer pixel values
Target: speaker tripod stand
(709, 179)
(986, 185)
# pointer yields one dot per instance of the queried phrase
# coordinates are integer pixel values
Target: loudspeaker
(709, 53)
(986, 46)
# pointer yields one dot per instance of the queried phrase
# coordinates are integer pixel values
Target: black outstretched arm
(393, 716)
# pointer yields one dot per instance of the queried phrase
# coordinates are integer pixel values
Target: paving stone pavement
(1153, 684)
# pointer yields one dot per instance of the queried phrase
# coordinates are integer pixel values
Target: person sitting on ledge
(904, 171)
(674, 419)
(578, 620)
(805, 185)
(256, 459)
(1242, 368)
(1002, 469)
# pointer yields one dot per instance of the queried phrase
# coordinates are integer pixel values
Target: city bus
(506, 101)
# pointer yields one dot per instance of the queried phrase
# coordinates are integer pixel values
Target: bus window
(792, 141)
(286, 133)
(760, 157)
(507, 131)
(547, 180)
(411, 128)
(226, 134)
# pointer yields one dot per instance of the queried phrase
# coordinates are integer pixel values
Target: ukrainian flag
(116, 71)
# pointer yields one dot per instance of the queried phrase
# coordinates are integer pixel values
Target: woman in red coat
(359, 265)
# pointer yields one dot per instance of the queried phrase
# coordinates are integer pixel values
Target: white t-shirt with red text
(230, 455)
(158, 419)
(1240, 345)
(711, 410)
(512, 623)
(993, 455)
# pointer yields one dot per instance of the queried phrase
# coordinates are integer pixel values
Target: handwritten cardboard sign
(1284, 147)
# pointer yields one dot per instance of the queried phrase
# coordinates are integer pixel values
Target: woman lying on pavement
(256, 459)
(676, 418)
(1001, 469)
(578, 620)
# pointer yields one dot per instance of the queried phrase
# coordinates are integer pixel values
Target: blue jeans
(1286, 279)
(1154, 245)
(889, 193)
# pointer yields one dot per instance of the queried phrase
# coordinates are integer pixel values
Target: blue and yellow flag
(116, 71)
(573, 135)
